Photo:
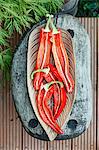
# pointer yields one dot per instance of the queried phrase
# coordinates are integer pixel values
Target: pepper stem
(55, 30)
(48, 22)
(47, 85)
(45, 70)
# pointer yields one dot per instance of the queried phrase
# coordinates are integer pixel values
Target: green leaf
(88, 8)
(1, 62)
(5, 59)
(17, 26)
(3, 36)
(18, 15)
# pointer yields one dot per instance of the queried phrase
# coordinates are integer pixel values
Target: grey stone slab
(82, 110)
(70, 7)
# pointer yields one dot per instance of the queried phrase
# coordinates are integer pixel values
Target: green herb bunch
(16, 15)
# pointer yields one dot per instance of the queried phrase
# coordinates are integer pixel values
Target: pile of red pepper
(51, 82)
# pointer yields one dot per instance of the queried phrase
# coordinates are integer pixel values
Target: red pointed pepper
(56, 93)
(43, 56)
(44, 112)
(61, 58)
(48, 76)
(49, 114)
(59, 100)
(63, 97)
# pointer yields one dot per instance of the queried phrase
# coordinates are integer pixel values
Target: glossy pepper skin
(43, 56)
(48, 111)
(43, 111)
(55, 72)
(63, 96)
(56, 92)
(61, 60)
(48, 76)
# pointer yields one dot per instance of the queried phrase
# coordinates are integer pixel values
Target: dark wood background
(12, 134)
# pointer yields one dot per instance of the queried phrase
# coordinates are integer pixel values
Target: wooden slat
(98, 84)
(94, 54)
(14, 137)
(59, 145)
(88, 134)
(10, 125)
(1, 112)
(30, 143)
(5, 116)
(25, 140)
(53, 145)
(43, 143)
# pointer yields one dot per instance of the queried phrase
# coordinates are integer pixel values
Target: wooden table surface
(12, 134)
